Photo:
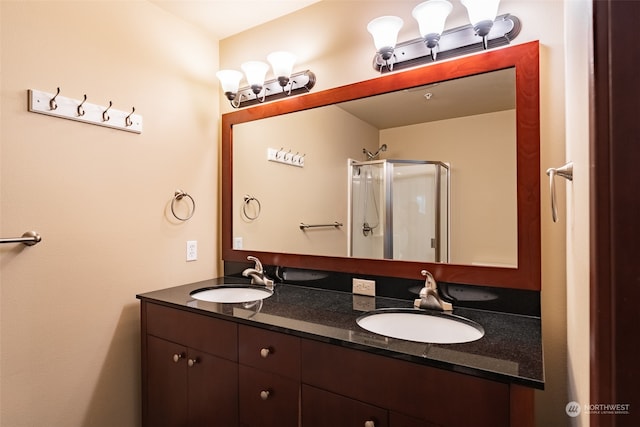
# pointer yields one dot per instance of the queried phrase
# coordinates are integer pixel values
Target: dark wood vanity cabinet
(189, 369)
(203, 371)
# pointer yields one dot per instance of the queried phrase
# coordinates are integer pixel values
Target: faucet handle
(430, 281)
(257, 261)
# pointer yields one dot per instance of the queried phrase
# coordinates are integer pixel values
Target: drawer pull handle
(369, 424)
(192, 362)
(264, 394)
(177, 357)
(265, 352)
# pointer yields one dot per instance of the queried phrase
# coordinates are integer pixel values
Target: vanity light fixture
(286, 82)
(435, 41)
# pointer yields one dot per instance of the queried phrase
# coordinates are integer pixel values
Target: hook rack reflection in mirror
(286, 157)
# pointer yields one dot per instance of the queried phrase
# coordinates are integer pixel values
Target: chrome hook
(105, 116)
(80, 109)
(235, 103)
(264, 95)
(52, 102)
(127, 120)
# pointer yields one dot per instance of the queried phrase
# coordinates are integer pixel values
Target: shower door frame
(387, 196)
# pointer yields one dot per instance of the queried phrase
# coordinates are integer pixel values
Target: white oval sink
(421, 326)
(232, 293)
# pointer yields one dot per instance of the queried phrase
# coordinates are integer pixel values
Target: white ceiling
(469, 96)
(223, 18)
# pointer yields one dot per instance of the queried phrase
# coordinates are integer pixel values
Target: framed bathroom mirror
(485, 127)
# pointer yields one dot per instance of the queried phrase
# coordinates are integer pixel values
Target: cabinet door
(213, 390)
(322, 409)
(267, 400)
(166, 384)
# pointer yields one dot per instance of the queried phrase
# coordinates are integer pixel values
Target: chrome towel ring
(177, 196)
(247, 201)
(566, 172)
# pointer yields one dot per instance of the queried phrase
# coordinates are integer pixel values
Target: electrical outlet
(237, 243)
(192, 250)
(364, 287)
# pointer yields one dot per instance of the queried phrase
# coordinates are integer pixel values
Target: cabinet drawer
(269, 351)
(321, 409)
(267, 400)
(422, 392)
(214, 336)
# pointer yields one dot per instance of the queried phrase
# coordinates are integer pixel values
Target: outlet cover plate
(192, 250)
(364, 287)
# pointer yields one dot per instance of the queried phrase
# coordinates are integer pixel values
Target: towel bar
(29, 238)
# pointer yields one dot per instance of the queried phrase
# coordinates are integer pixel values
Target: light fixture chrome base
(454, 42)
(300, 82)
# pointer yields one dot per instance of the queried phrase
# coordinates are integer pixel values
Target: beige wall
(483, 180)
(290, 195)
(331, 40)
(99, 198)
(578, 18)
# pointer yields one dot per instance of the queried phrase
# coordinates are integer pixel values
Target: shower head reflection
(373, 156)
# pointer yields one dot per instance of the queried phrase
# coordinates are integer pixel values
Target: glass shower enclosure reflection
(399, 209)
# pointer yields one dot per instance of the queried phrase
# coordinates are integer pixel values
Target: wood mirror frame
(525, 59)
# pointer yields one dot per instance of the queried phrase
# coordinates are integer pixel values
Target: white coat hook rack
(82, 111)
(287, 157)
(566, 172)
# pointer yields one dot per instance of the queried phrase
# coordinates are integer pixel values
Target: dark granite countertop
(510, 351)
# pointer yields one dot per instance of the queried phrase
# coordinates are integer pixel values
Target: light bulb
(385, 31)
(230, 82)
(282, 64)
(431, 16)
(255, 72)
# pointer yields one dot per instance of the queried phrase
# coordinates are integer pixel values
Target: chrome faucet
(257, 274)
(429, 297)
